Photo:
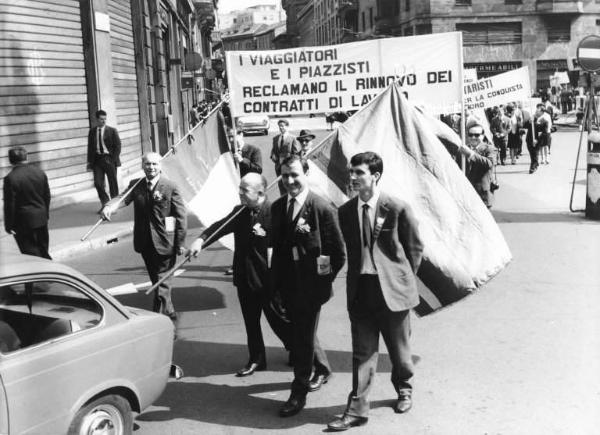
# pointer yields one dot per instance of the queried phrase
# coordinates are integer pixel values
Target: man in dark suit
(27, 204)
(284, 145)
(248, 156)
(250, 223)
(308, 252)
(481, 161)
(159, 229)
(104, 149)
(384, 253)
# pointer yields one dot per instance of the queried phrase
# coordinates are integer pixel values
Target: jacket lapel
(380, 215)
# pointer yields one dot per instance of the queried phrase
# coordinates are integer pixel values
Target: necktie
(100, 149)
(290, 211)
(149, 184)
(367, 232)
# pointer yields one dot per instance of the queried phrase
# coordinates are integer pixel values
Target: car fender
(107, 387)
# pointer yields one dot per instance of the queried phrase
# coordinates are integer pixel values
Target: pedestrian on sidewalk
(27, 204)
(543, 128)
(499, 127)
(284, 145)
(481, 162)
(159, 229)
(527, 132)
(308, 252)
(252, 232)
(384, 254)
(514, 137)
(103, 157)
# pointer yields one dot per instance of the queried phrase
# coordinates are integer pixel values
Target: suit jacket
(250, 254)
(289, 146)
(26, 198)
(397, 251)
(480, 168)
(112, 142)
(150, 211)
(252, 160)
(323, 238)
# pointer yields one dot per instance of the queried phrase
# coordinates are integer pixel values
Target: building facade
(62, 61)
(498, 35)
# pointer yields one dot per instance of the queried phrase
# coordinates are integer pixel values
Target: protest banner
(346, 76)
(499, 89)
(464, 247)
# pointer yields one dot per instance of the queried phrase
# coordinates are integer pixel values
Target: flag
(464, 247)
(205, 172)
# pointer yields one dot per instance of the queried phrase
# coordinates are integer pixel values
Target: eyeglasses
(303, 141)
(474, 134)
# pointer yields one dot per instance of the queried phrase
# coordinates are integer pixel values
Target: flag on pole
(464, 247)
(205, 172)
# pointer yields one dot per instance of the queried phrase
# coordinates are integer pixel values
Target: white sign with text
(346, 76)
(499, 89)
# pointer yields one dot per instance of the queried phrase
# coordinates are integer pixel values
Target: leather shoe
(318, 380)
(249, 369)
(229, 271)
(346, 422)
(292, 407)
(404, 403)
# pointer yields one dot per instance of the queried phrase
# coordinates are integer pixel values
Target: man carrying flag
(384, 254)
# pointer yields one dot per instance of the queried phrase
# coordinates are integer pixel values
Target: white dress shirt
(298, 203)
(367, 266)
(152, 182)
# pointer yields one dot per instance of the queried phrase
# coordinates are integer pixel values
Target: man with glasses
(305, 140)
(481, 161)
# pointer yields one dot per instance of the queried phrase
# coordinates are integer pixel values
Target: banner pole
(167, 154)
(463, 109)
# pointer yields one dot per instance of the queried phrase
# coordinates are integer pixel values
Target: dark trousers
(533, 157)
(253, 303)
(104, 166)
(369, 317)
(33, 241)
(157, 265)
(306, 350)
(501, 143)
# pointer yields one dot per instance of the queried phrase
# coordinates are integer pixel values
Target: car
(253, 123)
(72, 358)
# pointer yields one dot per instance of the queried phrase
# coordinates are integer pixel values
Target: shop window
(490, 33)
(559, 31)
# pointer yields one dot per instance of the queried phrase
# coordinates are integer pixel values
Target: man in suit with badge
(284, 145)
(384, 253)
(104, 149)
(159, 229)
(308, 252)
(250, 224)
(27, 204)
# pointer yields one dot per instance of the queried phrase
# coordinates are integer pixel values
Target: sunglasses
(474, 134)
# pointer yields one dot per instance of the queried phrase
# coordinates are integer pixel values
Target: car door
(54, 335)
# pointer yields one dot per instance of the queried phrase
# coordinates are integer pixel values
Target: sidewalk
(69, 223)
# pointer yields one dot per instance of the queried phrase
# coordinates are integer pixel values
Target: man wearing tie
(159, 229)
(308, 252)
(252, 232)
(284, 145)
(384, 253)
(104, 149)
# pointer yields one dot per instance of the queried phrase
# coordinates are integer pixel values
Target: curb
(67, 250)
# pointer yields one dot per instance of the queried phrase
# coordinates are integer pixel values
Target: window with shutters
(490, 33)
(559, 31)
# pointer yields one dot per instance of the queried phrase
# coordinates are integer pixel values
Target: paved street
(521, 356)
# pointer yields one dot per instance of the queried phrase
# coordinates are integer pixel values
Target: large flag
(206, 173)
(464, 247)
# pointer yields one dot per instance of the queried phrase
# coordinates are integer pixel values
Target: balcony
(559, 6)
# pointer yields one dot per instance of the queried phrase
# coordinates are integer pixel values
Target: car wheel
(109, 414)
(266, 132)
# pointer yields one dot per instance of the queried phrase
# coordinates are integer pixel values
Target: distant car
(572, 119)
(72, 358)
(254, 123)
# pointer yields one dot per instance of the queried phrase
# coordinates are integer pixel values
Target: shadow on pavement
(526, 217)
(192, 298)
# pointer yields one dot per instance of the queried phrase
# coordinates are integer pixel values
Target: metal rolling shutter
(43, 99)
(125, 84)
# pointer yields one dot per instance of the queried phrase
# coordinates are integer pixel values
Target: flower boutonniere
(157, 195)
(258, 230)
(302, 226)
(379, 222)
